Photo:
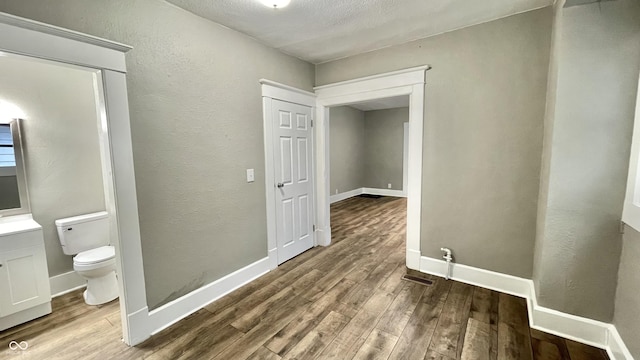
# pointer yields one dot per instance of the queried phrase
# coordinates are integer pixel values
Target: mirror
(13, 184)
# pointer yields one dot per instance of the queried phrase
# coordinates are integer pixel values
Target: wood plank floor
(346, 301)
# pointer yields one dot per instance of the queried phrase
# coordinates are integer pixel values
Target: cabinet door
(24, 281)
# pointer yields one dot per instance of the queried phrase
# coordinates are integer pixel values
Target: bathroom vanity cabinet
(24, 279)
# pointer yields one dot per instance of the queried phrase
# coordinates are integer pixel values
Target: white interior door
(293, 145)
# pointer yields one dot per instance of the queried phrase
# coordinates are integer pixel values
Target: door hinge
(314, 228)
(311, 122)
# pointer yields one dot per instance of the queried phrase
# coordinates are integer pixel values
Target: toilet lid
(95, 255)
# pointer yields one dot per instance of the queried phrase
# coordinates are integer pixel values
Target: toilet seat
(95, 256)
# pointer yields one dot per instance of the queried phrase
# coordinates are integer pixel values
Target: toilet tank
(83, 232)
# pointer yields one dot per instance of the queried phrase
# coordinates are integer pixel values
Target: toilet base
(101, 290)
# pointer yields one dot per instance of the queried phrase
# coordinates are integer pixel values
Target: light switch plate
(250, 175)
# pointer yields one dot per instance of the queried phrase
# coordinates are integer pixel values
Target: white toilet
(88, 237)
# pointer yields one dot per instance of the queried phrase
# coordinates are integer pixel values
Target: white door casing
(42, 41)
(397, 83)
(293, 145)
(275, 93)
(405, 159)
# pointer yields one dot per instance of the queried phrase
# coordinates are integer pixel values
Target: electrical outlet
(336, 191)
(389, 186)
(250, 175)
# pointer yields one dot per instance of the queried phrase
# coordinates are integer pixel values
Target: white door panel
(294, 190)
(303, 158)
(286, 160)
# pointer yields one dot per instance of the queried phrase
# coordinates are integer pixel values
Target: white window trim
(631, 210)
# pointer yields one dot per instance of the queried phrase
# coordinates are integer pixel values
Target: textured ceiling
(323, 30)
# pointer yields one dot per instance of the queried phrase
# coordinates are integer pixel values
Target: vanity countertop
(19, 225)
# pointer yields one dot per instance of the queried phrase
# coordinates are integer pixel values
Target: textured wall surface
(598, 63)
(60, 145)
(196, 122)
(485, 102)
(384, 134)
(627, 317)
(549, 117)
(366, 148)
(347, 149)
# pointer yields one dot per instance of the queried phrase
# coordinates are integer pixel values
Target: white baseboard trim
(384, 192)
(584, 330)
(345, 195)
(180, 308)
(323, 236)
(65, 283)
(273, 258)
(364, 190)
(138, 322)
(484, 278)
(413, 259)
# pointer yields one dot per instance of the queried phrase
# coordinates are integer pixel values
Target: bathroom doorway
(60, 107)
(104, 61)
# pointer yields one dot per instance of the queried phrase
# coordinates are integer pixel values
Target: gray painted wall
(347, 149)
(196, 122)
(366, 148)
(60, 145)
(384, 133)
(626, 317)
(579, 247)
(485, 101)
(9, 195)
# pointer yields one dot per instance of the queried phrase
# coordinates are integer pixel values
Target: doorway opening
(105, 61)
(403, 83)
(368, 144)
(289, 170)
(67, 170)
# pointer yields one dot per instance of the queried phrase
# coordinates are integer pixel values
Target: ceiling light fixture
(276, 4)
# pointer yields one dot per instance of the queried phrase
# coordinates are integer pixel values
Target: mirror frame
(23, 192)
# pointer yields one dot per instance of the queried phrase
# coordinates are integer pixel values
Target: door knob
(280, 185)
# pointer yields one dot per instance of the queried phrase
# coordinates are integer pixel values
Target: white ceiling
(381, 104)
(323, 30)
